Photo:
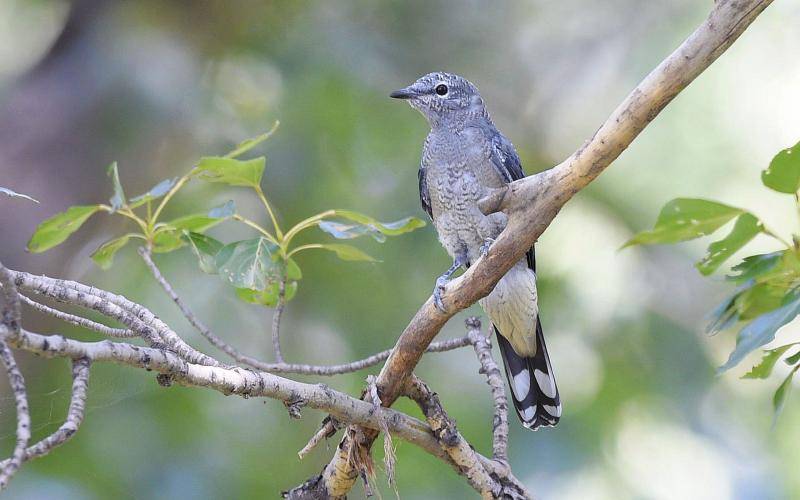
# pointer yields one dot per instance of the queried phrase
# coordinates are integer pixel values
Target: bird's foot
(441, 283)
(487, 244)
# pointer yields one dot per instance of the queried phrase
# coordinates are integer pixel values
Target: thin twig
(79, 321)
(389, 457)
(296, 368)
(494, 378)
(276, 321)
(11, 320)
(329, 427)
(75, 415)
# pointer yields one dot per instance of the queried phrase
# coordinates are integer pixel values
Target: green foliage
(783, 173)
(257, 268)
(767, 296)
(104, 255)
(56, 229)
(14, 194)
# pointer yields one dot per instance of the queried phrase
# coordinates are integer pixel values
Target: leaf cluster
(767, 286)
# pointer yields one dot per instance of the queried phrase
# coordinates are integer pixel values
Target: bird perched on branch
(463, 158)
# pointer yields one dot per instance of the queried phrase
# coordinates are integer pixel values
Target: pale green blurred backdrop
(156, 84)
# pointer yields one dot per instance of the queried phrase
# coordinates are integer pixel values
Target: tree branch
(533, 202)
(11, 321)
(75, 415)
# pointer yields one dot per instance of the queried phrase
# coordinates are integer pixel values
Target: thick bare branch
(533, 202)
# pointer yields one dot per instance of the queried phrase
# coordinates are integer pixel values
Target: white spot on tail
(529, 413)
(522, 384)
(546, 384)
(553, 410)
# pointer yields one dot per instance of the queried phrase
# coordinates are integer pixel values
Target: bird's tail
(533, 385)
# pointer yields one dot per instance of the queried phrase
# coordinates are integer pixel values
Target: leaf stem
(275, 225)
(178, 185)
(304, 224)
(257, 227)
(305, 247)
(769, 232)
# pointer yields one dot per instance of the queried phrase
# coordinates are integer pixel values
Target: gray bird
(465, 156)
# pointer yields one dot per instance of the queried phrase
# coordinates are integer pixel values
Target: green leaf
(293, 270)
(233, 172)
(401, 226)
(269, 296)
(762, 330)
(783, 173)
(684, 219)
(252, 264)
(154, 193)
(14, 194)
(745, 229)
(249, 144)
(754, 266)
(347, 252)
(104, 255)
(57, 228)
(117, 201)
(759, 299)
(168, 237)
(167, 241)
(726, 314)
(794, 358)
(205, 249)
(764, 368)
(779, 399)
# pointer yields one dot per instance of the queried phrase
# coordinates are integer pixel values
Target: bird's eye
(441, 89)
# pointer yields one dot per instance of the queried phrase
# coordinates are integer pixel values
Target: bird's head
(444, 99)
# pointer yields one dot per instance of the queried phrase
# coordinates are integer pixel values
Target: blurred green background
(155, 85)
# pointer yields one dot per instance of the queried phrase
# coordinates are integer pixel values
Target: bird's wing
(424, 195)
(506, 161)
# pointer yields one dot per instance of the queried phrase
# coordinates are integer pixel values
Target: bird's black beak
(405, 93)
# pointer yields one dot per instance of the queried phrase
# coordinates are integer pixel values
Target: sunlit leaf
(14, 194)
(347, 252)
(755, 266)
(745, 229)
(762, 330)
(764, 368)
(252, 264)
(779, 399)
(230, 171)
(117, 200)
(205, 249)
(783, 173)
(759, 299)
(104, 255)
(57, 228)
(249, 144)
(154, 193)
(684, 219)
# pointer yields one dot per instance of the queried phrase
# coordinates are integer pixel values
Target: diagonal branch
(79, 321)
(533, 202)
